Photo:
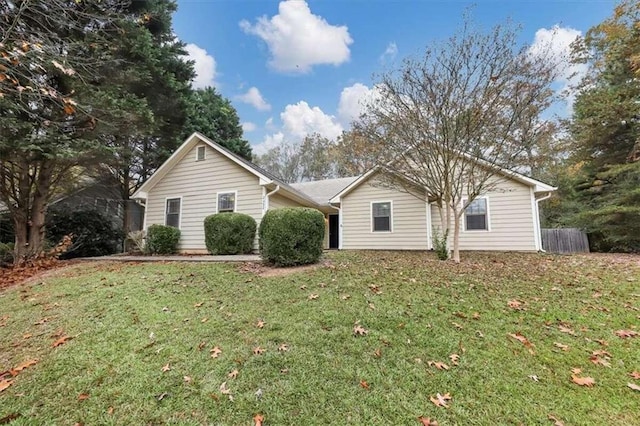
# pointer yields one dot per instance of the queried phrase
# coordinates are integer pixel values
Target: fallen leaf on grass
(110, 411)
(345, 297)
(258, 350)
(455, 358)
(203, 320)
(197, 305)
(5, 384)
(258, 419)
(583, 381)
(187, 379)
(515, 304)
(166, 368)
(226, 391)
(233, 374)
(364, 384)
(201, 345)
(260, 324)
(602, 342)
(9, 418)
(83, 396)
(61, 341)
(426, 421)
(456, 325)
(441, 400)
(27, 336)
(623, 334)
(283, 347)
(375, 289)
(377, 353)
(215, 352)
(313, 296)
(520, 338)
(359, 330)
(633, 386)
(599, 361)
(14, 371)
(564, 329)
(561, 346)
(554, 419)
(439, 365)
(635, 375)
(534, 378)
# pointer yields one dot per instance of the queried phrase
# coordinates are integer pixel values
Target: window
(381, 216)
(200, 153)
(475, 216)
(172, 216)
(226, 202)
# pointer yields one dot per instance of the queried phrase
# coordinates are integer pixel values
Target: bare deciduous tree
(453, 117)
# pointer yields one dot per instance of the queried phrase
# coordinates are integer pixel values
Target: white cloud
(269, 142)
(247, 127)
(254, 97)
(300, 120)
(298, 39)
(390, 53)
(555, 44)
(354, 100)
(205, 66)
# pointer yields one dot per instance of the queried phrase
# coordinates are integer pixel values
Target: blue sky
(296, 67)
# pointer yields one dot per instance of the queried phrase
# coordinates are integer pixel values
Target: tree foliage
(212, 115)
(54, 100)
(449, 119)
(606, 131)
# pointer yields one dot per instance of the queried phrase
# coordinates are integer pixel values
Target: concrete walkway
(178, 258)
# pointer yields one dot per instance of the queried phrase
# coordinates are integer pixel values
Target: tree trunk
(21, 246)
(456, 237)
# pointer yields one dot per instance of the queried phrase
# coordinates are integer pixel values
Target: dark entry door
(334, 231)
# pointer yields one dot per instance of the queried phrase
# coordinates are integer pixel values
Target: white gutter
(266, 199)
(538, 219)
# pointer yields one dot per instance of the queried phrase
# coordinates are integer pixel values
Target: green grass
(424, 312)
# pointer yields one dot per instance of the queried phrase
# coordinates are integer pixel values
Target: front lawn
(369, 338)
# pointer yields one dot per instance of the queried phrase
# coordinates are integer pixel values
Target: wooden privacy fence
(565, 240)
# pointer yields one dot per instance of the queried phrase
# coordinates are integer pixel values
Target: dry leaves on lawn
(555, 420)
(359, 330)
(233, 374)
(61, 341)
(258, 350)
(635, 375)
(260, 324)
(439, 365)
(561, 346)
(166, 368)
(427, 421)
(441, 400)
(258, 419)
(633, 386)
(583, 381)
(455, 358)
(215, 352)
(623, 334)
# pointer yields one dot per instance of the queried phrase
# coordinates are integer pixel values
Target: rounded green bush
(229, 233)
(162, 239)
(292, 236)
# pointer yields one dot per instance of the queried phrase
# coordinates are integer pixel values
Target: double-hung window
(172, 212)
(226, 202)
(476, 215)
(381, 216)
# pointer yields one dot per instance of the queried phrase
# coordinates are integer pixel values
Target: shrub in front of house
(162, 239)
(292, 236)
(92, 232)
(229, 233)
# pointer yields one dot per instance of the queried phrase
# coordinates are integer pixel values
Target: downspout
(538, 218)
(266, 199)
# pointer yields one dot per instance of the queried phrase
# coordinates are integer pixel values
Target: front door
(334, 231)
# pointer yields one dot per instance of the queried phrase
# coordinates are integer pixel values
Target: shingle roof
(321, 191)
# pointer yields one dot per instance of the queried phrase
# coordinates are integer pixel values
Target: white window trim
(488, 214)
(390, 216)
(166, 199)
(204, 152)
(235, 198)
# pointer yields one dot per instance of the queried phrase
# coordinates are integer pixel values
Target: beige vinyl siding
(277, 201)
(408, 221)
(511, 225)
(197, 182)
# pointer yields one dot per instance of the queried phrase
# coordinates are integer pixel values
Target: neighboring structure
(203, 178)
(106, 199)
